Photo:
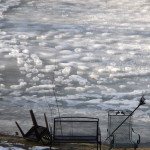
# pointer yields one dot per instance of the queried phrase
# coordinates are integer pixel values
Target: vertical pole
(55, 120)
(97, 134)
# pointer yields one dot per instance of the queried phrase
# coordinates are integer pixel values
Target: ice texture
(86, 57)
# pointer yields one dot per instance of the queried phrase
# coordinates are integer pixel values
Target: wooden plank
(33, 118)
(46, 122)
(20, 129)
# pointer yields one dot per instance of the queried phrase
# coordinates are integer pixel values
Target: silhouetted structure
(123, 136)
(77, 130)
(36, 132)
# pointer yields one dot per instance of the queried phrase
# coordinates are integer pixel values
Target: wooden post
(46, 122)
(20, 129)
(33, 118)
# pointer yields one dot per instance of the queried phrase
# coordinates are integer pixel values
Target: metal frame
(74, 139)
(127, 113)
(111, 136)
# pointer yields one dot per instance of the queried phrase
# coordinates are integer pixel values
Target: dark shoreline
(22, 143)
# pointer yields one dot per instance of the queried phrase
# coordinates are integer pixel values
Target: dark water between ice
(94, 53)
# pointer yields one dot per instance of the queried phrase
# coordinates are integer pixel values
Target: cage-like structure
(124, 136)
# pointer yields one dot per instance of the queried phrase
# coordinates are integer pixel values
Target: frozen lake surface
(17, 146)
(94, 55)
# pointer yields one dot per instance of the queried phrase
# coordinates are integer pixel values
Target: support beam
(33, 118)
(46, 122)
(20, 129)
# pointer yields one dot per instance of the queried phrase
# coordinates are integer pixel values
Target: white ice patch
(42, 37)
(83, 68)
(42, 148)
(2, 86)
(20, 61)
(109, 90)
(57, 73)
(44, 44)
(34, 70)
(35, 78)
(67, 82)
(41, 75)
(111, 52)
(71, 56)
(122, 86)
(69, 89)
(79, 79)
(26, 51)
(112, 100)
(40, 87)
(23, 37)
(15, 93)
(46, 81)
(128, 75)
(101, 70)
(89, 54)
(2, 67)
(131, 83)
(89, 33)
(8, 4)
(50, 68)
(78, 50)
(67, 64)
(125, 58)
(88, 59)
(46, 55)
(113, 69)
(73, 102)
(66, 71)
(29, 75)
(94, 76)
(80, 89)
(128, 69)
(21, 80)
(38, 62)
(94, 101)
(78, 35)
(3, 32)
(59, 79)
(15, 53)
(59, 47)
(66, 52)
(8, 148)
(80, 73)
(18, 87)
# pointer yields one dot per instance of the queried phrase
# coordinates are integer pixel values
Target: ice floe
(66, 71)
(79, 79)
(18, 87)
(40, 87)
